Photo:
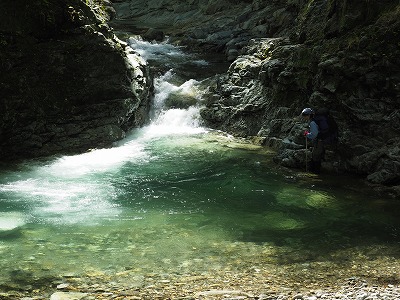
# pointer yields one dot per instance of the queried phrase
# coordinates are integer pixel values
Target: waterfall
(177, 100)
(176, 199)
(75, 188)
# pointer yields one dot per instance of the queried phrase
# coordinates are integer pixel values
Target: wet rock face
(287, 55)
(67, 83)
(205, 25)
(355, 74)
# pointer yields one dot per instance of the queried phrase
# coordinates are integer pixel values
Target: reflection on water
(179, 204)
(175, 197)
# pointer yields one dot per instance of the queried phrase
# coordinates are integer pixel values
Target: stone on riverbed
(67, 296)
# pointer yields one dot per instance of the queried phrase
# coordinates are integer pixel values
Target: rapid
(175, 197)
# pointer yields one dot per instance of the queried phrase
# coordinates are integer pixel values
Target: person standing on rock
(318, 150)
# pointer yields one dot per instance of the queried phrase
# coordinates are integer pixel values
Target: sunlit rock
(68, 296)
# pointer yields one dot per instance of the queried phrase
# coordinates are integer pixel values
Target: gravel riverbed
(376, 279)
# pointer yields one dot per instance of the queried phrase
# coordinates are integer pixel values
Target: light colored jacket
(312, 135)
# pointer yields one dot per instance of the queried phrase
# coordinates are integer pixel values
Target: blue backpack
(327, 126)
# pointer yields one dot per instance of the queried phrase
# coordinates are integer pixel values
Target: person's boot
(310, 166)
(316, 167)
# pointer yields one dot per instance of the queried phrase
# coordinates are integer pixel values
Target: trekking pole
(306, 154)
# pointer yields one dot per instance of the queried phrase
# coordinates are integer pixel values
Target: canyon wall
(67, 84)
(287, 55)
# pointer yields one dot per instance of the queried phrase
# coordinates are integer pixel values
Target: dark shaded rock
(153, 35)
(285, 55)
(348, 79)
(67, 83)
(342, 55)
(180, 101)
(207, 25)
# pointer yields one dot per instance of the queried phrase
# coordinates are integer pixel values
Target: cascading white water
(172, 199)
(174, 120)
(71, 189)
(164, 53)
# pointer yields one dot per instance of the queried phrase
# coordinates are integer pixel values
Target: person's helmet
(307, 111)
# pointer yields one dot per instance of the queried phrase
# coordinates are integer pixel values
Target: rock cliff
(286, 55)
(67, 84)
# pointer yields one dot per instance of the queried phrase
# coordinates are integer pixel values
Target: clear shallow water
(174, 197)
(180, 204)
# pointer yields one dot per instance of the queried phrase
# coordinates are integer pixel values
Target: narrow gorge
(287, 55)
(155, 150)
(67, 85)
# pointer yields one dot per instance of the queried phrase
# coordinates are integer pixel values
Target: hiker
(318, 150)
(323, 131)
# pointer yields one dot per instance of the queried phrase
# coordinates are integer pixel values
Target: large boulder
(67, 83)
(287, 55)
(352, 69)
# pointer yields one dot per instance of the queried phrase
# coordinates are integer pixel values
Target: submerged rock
(68, 296)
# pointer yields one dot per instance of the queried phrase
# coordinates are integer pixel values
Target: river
(177, 198)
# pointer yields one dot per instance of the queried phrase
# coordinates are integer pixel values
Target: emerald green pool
(177, 198)
(179, 203)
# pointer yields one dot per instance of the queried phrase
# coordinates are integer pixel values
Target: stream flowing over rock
(67, 84)
(287, 55)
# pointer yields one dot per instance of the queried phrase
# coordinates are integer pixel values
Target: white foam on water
(99, 160)
(10, 221)
(155, 51)
(79, 188)
(164, 87)
(62, 201)
(173, 122)
(200, 62)
(164, 52)
(74, 188)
